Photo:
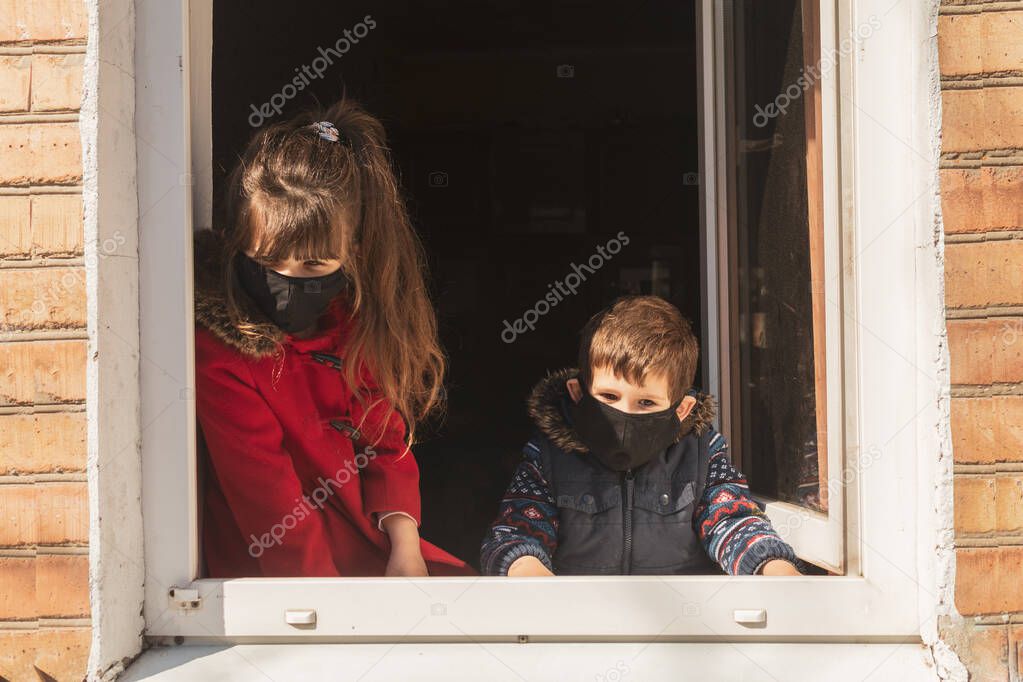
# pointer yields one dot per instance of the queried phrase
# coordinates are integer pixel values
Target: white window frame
(888, 260)
(818, 537)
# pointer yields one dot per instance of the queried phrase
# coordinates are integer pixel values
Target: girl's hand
(406, 554)
(528, 566)
(407, 564)
(779, 567)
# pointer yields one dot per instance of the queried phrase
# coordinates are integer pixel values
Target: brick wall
(981, 54)
(44, 607)
(44, 570)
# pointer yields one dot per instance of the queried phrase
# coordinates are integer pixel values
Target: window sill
(586, 608)
(552, 661)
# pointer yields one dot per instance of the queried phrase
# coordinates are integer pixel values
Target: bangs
(633, 369)
(304, 229)
(637, 337)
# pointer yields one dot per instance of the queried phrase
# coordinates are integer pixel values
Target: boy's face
(651, 396)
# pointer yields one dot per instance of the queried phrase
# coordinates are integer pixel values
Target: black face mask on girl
(292, 303)
(623, 441)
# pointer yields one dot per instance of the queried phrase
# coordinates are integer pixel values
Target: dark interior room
(526, 135)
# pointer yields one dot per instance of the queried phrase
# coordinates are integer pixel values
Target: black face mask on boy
(292, 303)
(623, 441)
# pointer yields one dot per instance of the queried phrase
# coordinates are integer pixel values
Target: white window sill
(497, 662)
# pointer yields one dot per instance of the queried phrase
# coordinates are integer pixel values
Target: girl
(316, 348)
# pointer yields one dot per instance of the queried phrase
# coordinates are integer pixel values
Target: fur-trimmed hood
(548, 401)
(211, 302)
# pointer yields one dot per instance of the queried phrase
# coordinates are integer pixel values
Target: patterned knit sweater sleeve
(733, 529)
(527, 521)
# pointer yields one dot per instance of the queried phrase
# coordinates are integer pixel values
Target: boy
(626, 474)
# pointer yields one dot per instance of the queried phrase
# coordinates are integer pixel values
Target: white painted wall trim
(937, 573)
(116, 566)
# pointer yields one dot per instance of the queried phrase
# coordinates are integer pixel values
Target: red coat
(287, 493)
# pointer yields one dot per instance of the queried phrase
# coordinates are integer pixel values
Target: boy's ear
(575, 389)
(685, 407)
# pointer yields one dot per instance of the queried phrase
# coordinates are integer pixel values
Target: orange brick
(51, 20)
(40, 153)
(62, 585)
(982, 43)
(984, 273)
(42, 298)
(15, 76)
(16, 235)
(982, 199)
(1003, 186)
(960, 37)
(1009, 426)
(1004, 116)
(17, 384)
(16, 151)
(974, 505)
(1003, 41)
(962, 199)
(17, 588)
(17, 442)
(56, 153)
(57, 225)
(14, 20)
(42, 372)
(62, 513)
(57, 82)
(17, 647)
(986, 351)
(18, 515)
(58, 653)
(63, 653)
(1009, 505)
(970, 346)
(1010, 568)
(1016, 647)
(60, 441)
(982, 118)
(963, 127)
(983, 649)
(987, 580)
(60, 371)
(973, 431)
(46, 442)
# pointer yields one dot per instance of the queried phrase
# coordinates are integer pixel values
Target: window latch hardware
(185, 598)
(300, 617)
(752, 618)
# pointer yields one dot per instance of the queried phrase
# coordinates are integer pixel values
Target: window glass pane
(776, 251)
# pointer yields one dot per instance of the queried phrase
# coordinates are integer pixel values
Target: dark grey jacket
(608, 522)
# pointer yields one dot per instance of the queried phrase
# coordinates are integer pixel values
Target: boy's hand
(406, 554)
(528, 566)
(779, 567)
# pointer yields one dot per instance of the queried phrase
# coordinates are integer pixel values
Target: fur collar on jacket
(211, 302)
(549, 395)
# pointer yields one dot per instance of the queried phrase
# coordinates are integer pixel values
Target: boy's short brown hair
(637, 336)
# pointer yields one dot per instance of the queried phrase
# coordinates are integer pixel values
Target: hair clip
(326, 130)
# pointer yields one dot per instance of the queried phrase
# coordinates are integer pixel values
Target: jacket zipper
(629, 481)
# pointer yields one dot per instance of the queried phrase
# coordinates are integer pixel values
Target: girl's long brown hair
(294, 194)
